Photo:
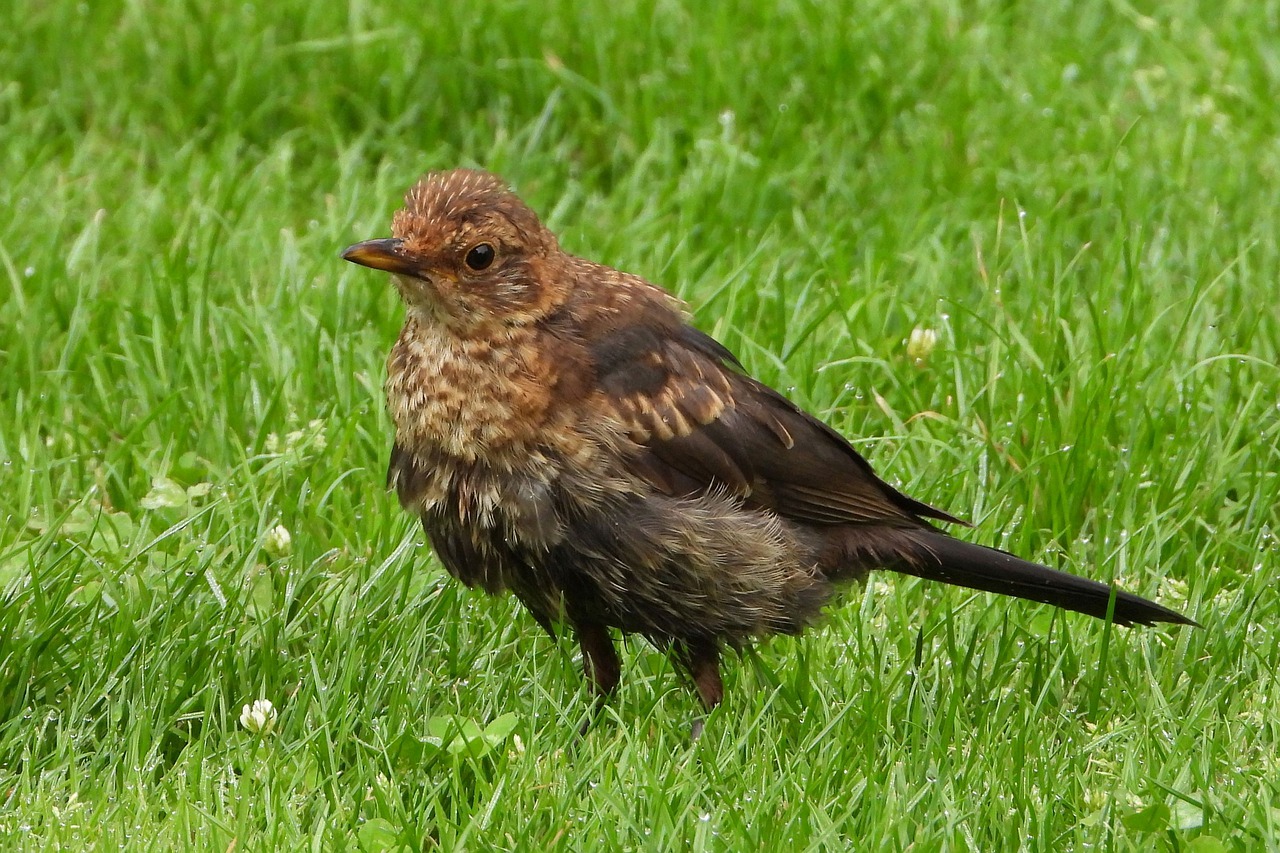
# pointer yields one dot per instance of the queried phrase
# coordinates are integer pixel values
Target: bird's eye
(480, 257)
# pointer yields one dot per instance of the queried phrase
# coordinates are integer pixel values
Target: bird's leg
(599, 663)
(599, 659)
(702, 659)
(704, 666)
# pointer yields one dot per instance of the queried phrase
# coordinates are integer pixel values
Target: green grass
(1079, 197)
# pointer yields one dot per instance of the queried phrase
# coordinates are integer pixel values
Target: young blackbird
(565, 434)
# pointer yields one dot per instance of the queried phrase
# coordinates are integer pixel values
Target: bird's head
(468, 252)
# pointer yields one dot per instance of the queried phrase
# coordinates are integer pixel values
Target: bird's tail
(954, 561)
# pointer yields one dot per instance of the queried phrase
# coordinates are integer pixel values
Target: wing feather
(702, 423)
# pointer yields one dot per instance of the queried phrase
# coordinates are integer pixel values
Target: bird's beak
(381, 255)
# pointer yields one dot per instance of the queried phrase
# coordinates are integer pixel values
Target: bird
(563, 432)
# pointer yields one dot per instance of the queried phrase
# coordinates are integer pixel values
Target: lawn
(1079, 198)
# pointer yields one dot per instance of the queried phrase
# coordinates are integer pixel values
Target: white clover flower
(921, 345)
(259, 718)
(1175, 590)
(277, 542)
(299, 443)
(316, 429)
(1095, 799)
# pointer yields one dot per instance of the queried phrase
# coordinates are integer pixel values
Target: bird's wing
(703, 423)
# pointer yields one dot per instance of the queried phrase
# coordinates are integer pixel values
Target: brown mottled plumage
(565, 434)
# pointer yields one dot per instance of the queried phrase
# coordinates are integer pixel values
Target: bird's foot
(695, 731)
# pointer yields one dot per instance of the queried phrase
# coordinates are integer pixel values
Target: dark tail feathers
(954, 561)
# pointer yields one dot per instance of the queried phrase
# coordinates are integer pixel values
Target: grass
(1078, 197)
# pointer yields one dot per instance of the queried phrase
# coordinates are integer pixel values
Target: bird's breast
(494, 434)
(472, 399)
